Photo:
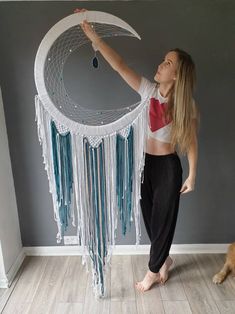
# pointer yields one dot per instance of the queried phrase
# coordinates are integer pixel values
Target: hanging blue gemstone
(95, 62)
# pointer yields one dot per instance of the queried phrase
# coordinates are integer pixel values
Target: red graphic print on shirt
(156, 114)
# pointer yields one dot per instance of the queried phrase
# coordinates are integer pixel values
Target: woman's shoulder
(147, 89)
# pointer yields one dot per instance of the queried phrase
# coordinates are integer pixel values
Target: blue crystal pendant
(95, 62)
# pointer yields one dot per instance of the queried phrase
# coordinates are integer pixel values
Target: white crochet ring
(42, 62)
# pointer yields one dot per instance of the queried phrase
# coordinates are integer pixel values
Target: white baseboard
(9, 280)
(6, 281)
(128, 249)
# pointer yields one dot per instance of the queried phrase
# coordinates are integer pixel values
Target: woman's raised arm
(111, 56)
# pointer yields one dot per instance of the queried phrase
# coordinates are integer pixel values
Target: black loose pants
(160, 195)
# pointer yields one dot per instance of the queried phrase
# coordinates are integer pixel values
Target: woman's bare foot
(149, 279)
(164, 269)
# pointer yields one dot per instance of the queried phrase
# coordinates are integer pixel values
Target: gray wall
(203, 28)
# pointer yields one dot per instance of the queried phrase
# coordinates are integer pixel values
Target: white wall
(3, 278)
(10, 238)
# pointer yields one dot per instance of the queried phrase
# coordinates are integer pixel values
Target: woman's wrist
(96, 42)
(192, 176)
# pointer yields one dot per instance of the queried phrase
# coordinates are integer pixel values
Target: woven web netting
(67, 43)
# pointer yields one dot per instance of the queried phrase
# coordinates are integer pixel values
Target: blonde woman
(173, 121)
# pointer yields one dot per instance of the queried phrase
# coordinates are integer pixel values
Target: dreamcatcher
(94, 159)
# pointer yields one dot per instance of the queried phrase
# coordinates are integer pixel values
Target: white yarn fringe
(81, 195)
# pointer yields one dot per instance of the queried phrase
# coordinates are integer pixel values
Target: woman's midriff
(155, 147)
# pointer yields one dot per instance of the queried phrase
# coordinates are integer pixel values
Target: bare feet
(164, 270)
(149, 279)
(152, 278)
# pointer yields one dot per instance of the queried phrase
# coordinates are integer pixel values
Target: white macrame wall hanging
(94, 160)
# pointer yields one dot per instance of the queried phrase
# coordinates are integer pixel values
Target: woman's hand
(77, 10)
(89, 32)
(87, 28)
(188, 185)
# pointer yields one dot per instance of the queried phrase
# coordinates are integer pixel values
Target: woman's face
(166, 72)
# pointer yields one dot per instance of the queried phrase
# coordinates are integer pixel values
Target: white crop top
(157, 127)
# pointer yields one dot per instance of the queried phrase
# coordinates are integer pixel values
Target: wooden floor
(60, 284)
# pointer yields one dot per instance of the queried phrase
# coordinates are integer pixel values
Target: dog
(229, 265)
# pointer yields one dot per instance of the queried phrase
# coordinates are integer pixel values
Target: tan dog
(228, 266)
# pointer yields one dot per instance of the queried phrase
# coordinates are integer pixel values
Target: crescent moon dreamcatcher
(94, 159)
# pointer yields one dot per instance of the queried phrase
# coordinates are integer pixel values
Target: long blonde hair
(180, 103)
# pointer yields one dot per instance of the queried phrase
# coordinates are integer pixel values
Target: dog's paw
(218, 278)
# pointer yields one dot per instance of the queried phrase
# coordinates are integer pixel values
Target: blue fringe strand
(63, 171)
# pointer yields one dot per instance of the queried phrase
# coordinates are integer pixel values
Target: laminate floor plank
(209, 265)
(195, 287)
(226, 307)
(48, 292)
(124, 307)
(148, 302)
(69, 308)
(2, 291)
(99, 305)
(173, 289)
(74, 284)
(177, 307)
(27, 284)
(17, 308)
(122, 281)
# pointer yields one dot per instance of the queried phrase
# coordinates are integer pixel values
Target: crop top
(157, 127)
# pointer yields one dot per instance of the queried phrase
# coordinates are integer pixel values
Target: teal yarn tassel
(124, 179)
(63, 172)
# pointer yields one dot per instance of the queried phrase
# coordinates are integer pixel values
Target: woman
(173, 120)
